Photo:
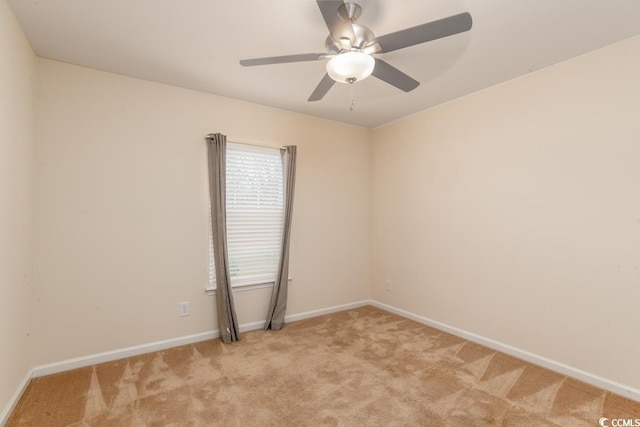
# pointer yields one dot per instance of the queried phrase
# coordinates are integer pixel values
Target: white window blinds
(255, 203)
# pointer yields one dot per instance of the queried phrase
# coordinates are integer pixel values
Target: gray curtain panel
(278, 305)
(217, 149)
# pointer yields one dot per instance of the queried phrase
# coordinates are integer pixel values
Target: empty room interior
(464, 243)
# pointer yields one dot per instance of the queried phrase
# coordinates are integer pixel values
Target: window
(255, 205)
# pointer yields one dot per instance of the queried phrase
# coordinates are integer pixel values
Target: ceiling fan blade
(426, 32)
(323, 87)
(338, 27)
(282, 59)
(393, 76)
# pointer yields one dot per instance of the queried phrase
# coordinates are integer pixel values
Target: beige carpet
(354, 368)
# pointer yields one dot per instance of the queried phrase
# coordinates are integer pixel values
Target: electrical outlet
(184, 309)
(387, 285)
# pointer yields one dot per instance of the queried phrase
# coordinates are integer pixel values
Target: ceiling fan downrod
(350, 11)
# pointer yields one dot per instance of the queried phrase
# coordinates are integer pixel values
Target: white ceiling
(197, 44)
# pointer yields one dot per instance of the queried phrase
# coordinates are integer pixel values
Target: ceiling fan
(350, 47)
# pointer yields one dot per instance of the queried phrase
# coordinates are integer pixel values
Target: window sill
(210, 290)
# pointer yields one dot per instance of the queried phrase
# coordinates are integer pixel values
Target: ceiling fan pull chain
(353, 102)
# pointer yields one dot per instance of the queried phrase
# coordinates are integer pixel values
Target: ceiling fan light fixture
(349, 67)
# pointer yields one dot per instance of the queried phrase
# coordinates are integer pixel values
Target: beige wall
(17, 75)
(514, 213)
(121, 210)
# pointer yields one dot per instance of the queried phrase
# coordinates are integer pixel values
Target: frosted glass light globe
(350, 66)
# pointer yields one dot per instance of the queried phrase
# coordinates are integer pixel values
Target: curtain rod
(253, 144)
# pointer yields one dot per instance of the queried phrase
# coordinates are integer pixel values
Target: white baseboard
(4, 415)
(306, 315)
(329, 310)
(561, 368)
(107, 356)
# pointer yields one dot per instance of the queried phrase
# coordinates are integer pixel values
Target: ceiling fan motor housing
(364, 39)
